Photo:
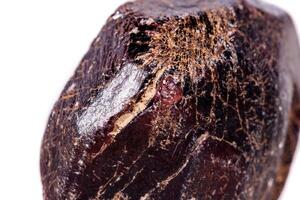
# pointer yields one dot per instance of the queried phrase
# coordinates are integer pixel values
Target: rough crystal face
(176, 99)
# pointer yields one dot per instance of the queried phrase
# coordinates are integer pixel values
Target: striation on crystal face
(194, 99)
(111, 99)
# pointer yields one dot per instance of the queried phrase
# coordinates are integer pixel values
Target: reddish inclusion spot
(168, 92)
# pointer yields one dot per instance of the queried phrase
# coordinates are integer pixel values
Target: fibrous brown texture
(175, 99)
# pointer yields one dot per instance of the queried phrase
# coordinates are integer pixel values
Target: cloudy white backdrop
(41, 44)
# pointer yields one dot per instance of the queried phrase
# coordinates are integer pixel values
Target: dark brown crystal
(194, 99)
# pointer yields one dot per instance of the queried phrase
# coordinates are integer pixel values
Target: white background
(41, 44)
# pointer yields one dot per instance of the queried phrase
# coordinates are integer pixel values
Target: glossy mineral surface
(176, 99)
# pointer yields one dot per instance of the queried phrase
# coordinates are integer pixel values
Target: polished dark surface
(178, 101)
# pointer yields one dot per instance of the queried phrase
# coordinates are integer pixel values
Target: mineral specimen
(194, 99)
